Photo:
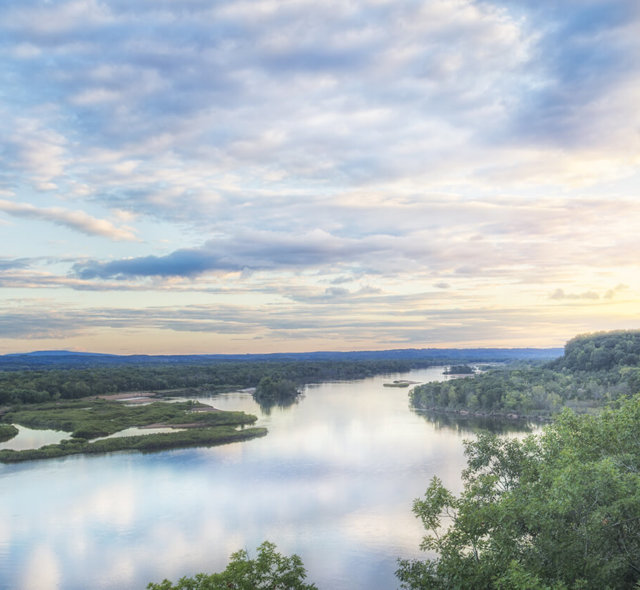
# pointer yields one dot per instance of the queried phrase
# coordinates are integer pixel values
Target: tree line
(595, 369)
(41, 385)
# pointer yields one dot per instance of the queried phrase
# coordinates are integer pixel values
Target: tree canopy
(268, 571)
(559, 511)
(594, 370)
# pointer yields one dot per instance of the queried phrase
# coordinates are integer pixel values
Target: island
(400, 383)
(92, 422)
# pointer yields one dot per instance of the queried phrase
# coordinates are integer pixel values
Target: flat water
(333, 481)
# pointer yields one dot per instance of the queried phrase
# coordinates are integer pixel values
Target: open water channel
(333, 481)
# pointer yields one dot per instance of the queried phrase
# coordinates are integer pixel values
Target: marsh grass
(89, 419)
(194, 437)
(7, 432)
(94, 418)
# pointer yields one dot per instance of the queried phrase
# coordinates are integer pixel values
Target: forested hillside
(594, 369)
(601, 352)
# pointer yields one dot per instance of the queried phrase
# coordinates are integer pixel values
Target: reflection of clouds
(114, 504)
(29, 438)
(41, 570)
(205, 547)
(5, 533)
(333, 481)
(377, 530)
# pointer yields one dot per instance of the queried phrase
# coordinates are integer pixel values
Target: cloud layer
(467, 154)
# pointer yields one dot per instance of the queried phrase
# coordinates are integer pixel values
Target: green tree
(557, 511)
(276, 391)
(268, 571)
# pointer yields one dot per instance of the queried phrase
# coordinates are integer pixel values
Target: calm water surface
(332, 481)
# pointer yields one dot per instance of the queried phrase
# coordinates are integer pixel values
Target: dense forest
(37, 385)
(64, 359)
(595, 369)
(40, 385)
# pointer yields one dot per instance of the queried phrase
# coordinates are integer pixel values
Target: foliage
(7, 432)
(601, 351)
(523, 391)
(275, 391)
(594, 370)
(559, 511)
(35, 383)
(268, 571)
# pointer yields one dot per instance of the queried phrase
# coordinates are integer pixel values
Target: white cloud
(76, 220)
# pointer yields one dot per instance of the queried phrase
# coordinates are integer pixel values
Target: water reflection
(29, 438)
(469, 424)
(266, 407)
(333, 481)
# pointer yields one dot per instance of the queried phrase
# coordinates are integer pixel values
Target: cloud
(559, 294)
(443, 239)
(76, 220)
(257, 251)
(303, 151)
(185, 263)
(15, 263)
(611, 293)
(214, 102)
(33, 325)
(309, 318)
(304, 91)
(583, 56)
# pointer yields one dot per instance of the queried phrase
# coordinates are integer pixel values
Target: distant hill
(59, 359)
(601, 351)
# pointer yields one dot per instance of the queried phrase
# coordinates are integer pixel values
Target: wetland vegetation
(89, 419)
(7, 432)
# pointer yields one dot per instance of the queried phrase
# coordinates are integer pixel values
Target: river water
(333, 481)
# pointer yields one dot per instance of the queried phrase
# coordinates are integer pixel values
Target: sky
(231, 176)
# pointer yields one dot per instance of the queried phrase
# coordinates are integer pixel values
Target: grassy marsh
(87, 419)
(7, 432)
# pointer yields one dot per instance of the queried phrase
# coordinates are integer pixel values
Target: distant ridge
(56, 353)
(42, 359)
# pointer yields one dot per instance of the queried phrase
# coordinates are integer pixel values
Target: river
(333, 481)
